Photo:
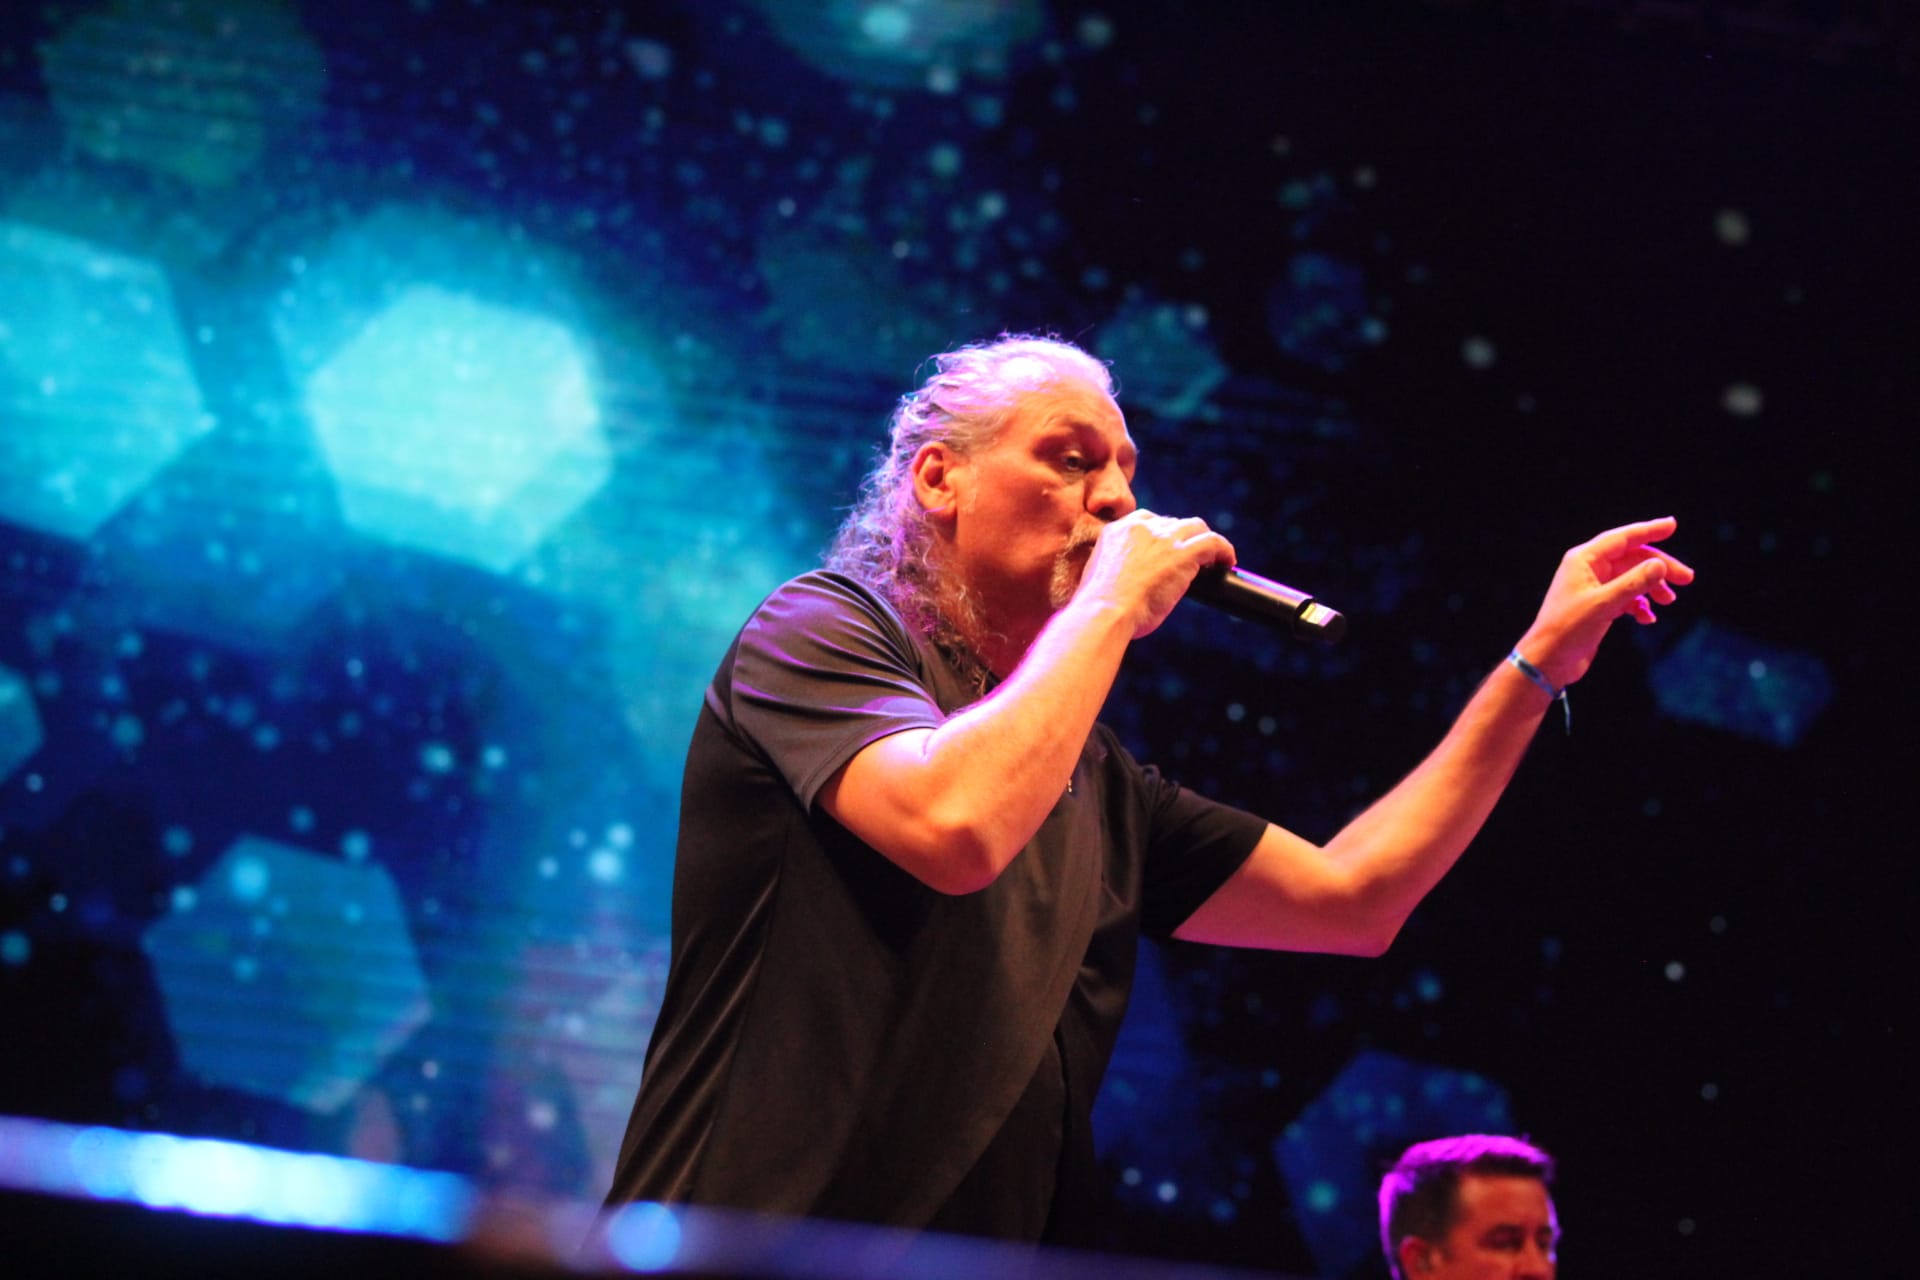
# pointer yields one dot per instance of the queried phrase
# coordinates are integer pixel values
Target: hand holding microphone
(1142, 537)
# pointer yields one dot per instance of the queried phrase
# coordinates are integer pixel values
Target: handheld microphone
(1257, 599)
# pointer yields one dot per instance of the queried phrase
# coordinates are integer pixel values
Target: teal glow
(886, 24)
(1719, 677)
(1168, 354)
(20, 731)
(123, 79)
(95, 385)
(288, 974)
(922, 45)
(458, 427)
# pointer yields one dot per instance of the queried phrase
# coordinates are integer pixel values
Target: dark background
(1410, 297)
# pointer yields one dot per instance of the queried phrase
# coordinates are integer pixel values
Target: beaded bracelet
(1539, 677)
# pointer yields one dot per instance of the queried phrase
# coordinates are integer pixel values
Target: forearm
(1006, 760)
(1353, 894)
(955, 805)
(1400, 847)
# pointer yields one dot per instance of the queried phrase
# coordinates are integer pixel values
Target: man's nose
(1535, 1264)
(1112, 496)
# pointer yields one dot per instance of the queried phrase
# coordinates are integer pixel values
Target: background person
(1473, 1207)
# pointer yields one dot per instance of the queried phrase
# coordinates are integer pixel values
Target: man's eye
(1073, 462)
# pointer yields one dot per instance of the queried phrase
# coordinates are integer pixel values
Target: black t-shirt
(836, 1039)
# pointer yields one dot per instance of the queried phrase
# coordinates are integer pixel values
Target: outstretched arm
(1352, 895)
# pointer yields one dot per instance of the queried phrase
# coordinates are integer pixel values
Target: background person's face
(1507, 1230)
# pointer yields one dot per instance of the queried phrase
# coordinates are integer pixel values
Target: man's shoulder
(821, 597)
(824, 617)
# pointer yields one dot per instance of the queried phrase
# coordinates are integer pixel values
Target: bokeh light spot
(334, 1021)
(99, 392)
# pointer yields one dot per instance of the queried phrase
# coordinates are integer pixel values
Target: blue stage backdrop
(401, 404)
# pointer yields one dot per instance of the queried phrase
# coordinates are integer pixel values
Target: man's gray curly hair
(886, 540)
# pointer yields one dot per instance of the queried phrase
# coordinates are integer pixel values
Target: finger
(1213, 548)
(1663, 594)
(1612, 567)
(1615, 542)
(1629, 593)
(1642, 578)
(1677, 570)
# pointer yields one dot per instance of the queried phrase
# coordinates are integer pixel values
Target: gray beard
(1069, 565)
(960, 628)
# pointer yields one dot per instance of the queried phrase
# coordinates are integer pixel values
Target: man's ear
(935, 471)
(1416, 1257)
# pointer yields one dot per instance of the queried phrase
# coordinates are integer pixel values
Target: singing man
(912, 865)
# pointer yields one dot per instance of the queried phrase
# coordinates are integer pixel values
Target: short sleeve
(822, 669)
(1194, 845)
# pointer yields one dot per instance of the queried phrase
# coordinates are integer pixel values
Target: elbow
(959, 882)
(948, 848)
(960, 857)
(1370, 932)
(1361, 944)
(956, 878)
(1374, 943)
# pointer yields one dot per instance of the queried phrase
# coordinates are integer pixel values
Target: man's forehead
(1077, 402)
(1488, 1201)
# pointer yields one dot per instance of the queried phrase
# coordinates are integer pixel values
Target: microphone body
(1274, 604)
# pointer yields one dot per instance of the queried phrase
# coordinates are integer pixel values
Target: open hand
(1619, 573)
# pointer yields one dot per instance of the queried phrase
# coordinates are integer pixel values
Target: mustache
(1082, 539)
(1067, 566)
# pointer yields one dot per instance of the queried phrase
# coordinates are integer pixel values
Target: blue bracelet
(1539, 677)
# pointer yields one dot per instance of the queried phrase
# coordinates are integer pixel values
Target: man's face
(1507, 1231)
(1031, 504)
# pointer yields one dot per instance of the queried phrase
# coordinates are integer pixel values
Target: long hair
(886, 541)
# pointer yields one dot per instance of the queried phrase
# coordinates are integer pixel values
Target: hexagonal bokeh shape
(95, 385)
(287, 974)
(1333, 1153)
(907, 44)
(20, 729)
(458, 427)
(1717, 676)
(127, 81)
(837, 306)
(1170, 362)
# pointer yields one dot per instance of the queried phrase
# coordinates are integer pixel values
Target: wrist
(1544, 650)
(1518, 660)
(1095, 621)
